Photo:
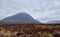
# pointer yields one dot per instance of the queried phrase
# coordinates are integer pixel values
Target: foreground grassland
(29, 30)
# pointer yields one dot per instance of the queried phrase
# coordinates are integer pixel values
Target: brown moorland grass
(30, 30)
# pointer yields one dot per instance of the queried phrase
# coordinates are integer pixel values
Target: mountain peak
(19, 18)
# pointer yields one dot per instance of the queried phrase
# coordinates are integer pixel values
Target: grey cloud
(43, 10)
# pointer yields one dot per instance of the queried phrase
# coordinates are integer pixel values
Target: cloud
(43, 10)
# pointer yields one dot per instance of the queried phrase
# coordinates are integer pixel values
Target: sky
(42, 10)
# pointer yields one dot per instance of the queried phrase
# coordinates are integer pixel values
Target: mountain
(54, 22)
(20, 18)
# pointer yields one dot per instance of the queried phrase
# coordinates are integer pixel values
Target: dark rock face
(19, 18)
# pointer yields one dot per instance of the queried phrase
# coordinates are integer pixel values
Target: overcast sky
(43, 10)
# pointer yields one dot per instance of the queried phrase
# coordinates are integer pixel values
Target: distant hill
(54, 22)
(20, 18)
